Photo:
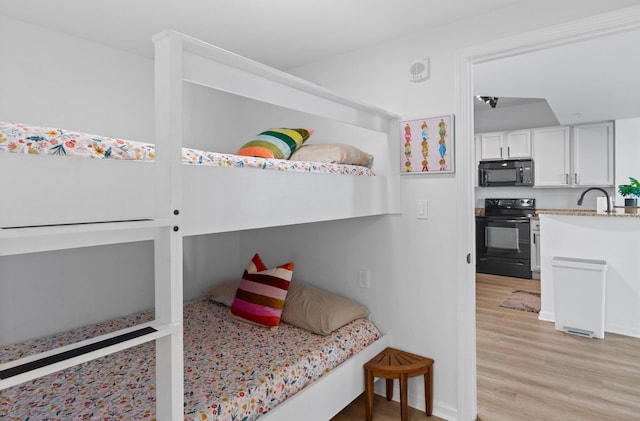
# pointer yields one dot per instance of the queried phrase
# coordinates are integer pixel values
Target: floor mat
(523, 300)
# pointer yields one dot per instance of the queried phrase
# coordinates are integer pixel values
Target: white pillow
(335, 153)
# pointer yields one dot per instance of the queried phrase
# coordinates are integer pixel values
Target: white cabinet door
(491, 145)
(518, 144)
(506, 145)
(593, 154)
(551, 158)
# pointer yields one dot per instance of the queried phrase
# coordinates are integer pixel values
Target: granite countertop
(617, 212)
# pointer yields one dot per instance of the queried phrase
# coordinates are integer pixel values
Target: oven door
(503, 246)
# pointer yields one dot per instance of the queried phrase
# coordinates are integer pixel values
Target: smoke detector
(419, 70)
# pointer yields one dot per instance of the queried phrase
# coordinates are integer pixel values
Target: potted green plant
(630, 192)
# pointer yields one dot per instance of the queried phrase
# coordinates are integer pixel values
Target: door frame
(623, 20)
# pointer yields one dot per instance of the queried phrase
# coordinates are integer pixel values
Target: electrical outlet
(364, 279)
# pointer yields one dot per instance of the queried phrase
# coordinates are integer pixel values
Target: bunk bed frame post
(168, 239)
(393, 167)
(169, 349)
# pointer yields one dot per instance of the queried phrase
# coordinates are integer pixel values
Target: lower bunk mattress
(232, 370)
(36, 140)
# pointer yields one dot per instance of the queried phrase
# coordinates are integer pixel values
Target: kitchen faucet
(596, 188)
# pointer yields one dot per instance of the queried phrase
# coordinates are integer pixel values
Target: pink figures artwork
(425, 146)
(407, 148)
(442, 131)
(417, 136)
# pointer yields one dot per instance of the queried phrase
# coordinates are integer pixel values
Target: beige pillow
(223, 293)
(319, 311)
(336, 153)
(306, 306)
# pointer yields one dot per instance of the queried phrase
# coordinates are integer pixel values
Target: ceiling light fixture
(491, 100)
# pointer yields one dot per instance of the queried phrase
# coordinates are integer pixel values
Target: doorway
(598, 26)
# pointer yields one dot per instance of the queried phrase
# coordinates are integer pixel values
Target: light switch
(422, 209)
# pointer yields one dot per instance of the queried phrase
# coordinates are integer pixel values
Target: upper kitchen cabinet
(593, 154)
(505, 145)
(551, 157)
(573, 156)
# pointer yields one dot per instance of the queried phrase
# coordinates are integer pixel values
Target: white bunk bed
(176, 204)
(250, 199)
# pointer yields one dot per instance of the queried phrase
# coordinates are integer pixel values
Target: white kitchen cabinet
(593, 154)
(518, 144)
(491, 145)
(573, 156)
(551, 156)
(505, 145)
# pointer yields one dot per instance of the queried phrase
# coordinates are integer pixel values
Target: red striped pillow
(260, 296)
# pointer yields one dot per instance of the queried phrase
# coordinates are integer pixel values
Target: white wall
(626, 153)
(45, 293)
(211, 259)
(52, 79)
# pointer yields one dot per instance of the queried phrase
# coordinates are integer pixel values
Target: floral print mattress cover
(36, 140)
(232, 370)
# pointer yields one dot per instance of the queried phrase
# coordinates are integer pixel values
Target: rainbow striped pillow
(260, 296)
(275, 143)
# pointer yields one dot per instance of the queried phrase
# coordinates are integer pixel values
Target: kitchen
(563, 123)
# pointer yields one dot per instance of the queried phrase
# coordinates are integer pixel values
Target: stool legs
(368, 388)
(404, 380)
(428, 391)
(404, 410)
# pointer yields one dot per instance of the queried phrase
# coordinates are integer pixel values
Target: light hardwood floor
(383, 410)
(528, 370)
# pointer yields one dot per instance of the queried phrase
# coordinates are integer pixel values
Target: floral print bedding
(35, 140)
(233, 370)
(197, 157)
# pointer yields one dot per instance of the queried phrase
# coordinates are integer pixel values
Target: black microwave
(513, 172)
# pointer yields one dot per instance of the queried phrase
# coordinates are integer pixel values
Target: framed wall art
(427, 145)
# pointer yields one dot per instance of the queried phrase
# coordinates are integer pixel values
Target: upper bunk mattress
(36, 140)
(232, 370)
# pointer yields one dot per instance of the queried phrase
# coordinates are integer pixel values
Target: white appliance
(579, 295)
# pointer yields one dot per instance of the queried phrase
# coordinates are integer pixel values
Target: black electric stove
(503, 238)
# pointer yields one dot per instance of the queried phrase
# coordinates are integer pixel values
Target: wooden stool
(392, 364)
